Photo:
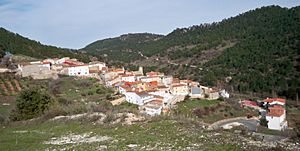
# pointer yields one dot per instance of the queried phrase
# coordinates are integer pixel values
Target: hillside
(125, 47)
(258, 50)
(16, 44)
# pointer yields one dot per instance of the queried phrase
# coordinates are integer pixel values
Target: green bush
(31, 103)
(263, 122)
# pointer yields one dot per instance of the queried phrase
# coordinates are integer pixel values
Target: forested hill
(258, 50)
(17, 44)
(124, 47)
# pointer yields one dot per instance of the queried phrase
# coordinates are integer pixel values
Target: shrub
(31, 103)
(90, 93)
(75, 108)
(199, 112)
(3, 119)
(100, 91)
(84, 83)
(109, 118)
(263, 122)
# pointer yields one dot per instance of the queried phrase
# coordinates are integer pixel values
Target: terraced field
(9, 84)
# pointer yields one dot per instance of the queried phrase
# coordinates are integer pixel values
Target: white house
(137, 97)
(224, 94)
(128, 78)
(82, 70)
(153, 107)
(179, 89)
(61, 60)
(108, 75)
(167, 80)
(113, 81)
(34, 69)
(150, 79)
(154, 74)
(123, 89)
(276, 118)
(97, 64)
(213, 95)
(140, 72)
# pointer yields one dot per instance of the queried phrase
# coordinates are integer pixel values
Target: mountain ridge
(18, 44)
(236, 48)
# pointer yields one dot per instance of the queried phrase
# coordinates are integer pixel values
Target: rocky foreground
(126, 131)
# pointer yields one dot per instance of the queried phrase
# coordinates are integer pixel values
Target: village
(155, 93)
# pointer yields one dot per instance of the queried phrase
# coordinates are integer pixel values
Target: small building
(113, 81)
(34, 69)
(196, 92)
(153, 107)
(276, 118)
(167, 80)
(179, 89)
(40, 70)
(150, 79)
(138, 98)
(214, 95)
(123, 89)
(210, 93)
(250, 104)
(154, 74)
(97, 64)
(224, 94)
(106, 76)
(140, 72)
(61, 60)
(78, 70)
(128, 78)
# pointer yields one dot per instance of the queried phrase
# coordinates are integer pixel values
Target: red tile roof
(276, 111)
(179, 85)
(152, 73)
(270, 100)
(159, 102)
(249, 103)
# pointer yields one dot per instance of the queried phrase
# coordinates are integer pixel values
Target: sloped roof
(270, 100)
(276, 111)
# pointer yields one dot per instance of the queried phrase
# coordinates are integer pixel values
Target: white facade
(150, 79)
(276, 102)
(213, 95)
(122, 90)
(34, 69)
(139, 99)
(108, 76)
(277, 122)
(166, 96)
(152, 110)
(100, 65)
(62, 60)
(78, 71)
(46, 65)
(180, 90)
(113, 81)
(167, 80)
(128, 78)
(49, 60)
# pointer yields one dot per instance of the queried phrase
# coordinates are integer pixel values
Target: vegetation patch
(209, 110)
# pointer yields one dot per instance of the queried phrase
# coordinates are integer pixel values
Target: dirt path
(251, 124)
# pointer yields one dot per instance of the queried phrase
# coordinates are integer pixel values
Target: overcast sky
(76, 23)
